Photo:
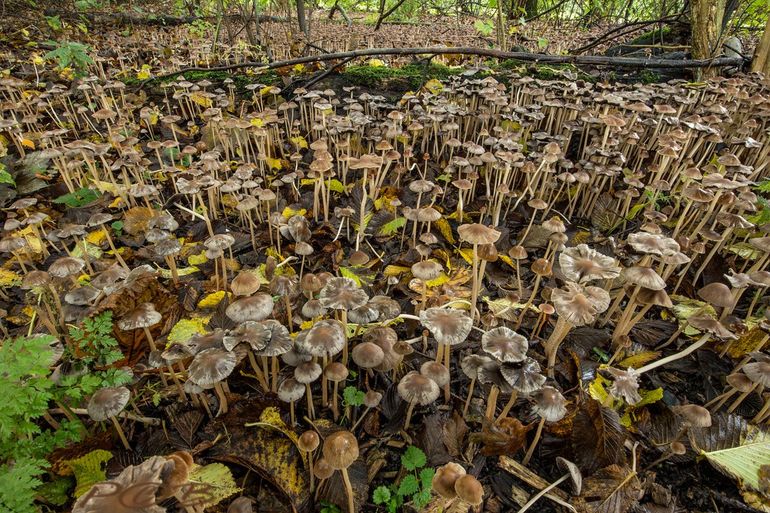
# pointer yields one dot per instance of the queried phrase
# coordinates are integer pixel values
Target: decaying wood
(580, 60)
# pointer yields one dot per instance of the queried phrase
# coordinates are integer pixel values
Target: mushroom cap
(252, 333)
(694, 415)
(579, 305)
(290, 390)
(308, 441)
(108, 402)
(253, 308)
(444, 479)
(581, 263)
(372, 399)
(471, 364)
(414, 387)
(523, 377)
(758, 372)
(739, 381)
(576, 477)
(550, 404)
(336, 372)
(307, 372)
(654, 244)
(717, 294)
(66, 266)
(713, 326)
(322, 469)
(340, 449)
(645, 277)
(241, 505)
(325, 338)
(280, 341)
(367, 355)
(476, 233)
(245, 284)
(426, 270)
(211, 366)
(625, 385)
(143, 316)
(435, 371)
(469, 489)
(342, 294)
(505, 344)
(449, 326)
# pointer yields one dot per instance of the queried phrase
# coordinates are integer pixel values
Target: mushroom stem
(349, 490)
(719, 400)
(468, 399)
(559, 333)
(335, 408)
(258, 371)
(543, 492)
(121, 434)
(275, 373)
(222, 399)
(287, 303)
(409, 411)
(310, 409)
(293, 417)
(676, 356)
(492, 402)
(114, 249)
(508, 405)
(759, 417)
(475, 286)
(741, 398)
(532, 446)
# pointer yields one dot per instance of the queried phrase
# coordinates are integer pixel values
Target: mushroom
(477, 234)
(342, 294)
(448, 326)
(443, 482)
(209, 368)
(336, 373)
(290, 391)
(550, 406)
(469, 489)
(307, 443)
(416, 389)
(107, 403)
(340, 450)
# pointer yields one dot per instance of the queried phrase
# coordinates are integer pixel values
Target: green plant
(54, 22)
(78, 198)
(117, 227)
(69, 54)
(484, 27)
(415, 486)
(27, 392)
(5, 176)
(352, 396)
(93, 350)
(328, 507)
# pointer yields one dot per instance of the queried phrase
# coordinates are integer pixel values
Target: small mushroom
(107, 403)
(340, 450)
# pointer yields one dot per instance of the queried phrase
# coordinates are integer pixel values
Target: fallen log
(150, 19)
(579, 60)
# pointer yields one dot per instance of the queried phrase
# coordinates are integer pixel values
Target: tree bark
(761, 60)
(301, 19)
(706, 20)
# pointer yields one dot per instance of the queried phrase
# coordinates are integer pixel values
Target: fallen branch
(155, 19)
(624, 29)
(580, 60)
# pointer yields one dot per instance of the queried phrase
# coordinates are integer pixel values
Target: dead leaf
(454, 432)
(503, 437)
(597, 437)
(613, 489)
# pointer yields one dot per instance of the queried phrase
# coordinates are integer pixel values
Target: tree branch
(581, 60)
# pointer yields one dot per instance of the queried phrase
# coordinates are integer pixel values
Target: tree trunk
(301, 19)
(706, 20)
(761, 60)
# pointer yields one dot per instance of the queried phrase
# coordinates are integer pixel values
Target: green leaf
(381, 495)
(352, 396)
(734, 447)
(393, 226)
(79, 198)
(413, 458)
(5, 176)
(408, 486)
(219, 479)
(420, 500)
(426, 477)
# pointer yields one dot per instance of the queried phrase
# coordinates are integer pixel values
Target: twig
(586, 60)
(635, 25)
(124, 415)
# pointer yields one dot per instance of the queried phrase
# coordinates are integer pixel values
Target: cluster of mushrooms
(360, 240)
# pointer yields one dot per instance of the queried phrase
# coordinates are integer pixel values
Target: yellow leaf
(446, 230)
(265, 90)
(506, 309)
(375, 63)
(507, 260)
(97, 238)
(198, 259)
(467, 254)
(753, 340)
(201, 99)
(438, 280)
(598, 389)
(9, 279)
(289, 212)
(639, 359)
(117, 202)
(186, 328)
(88, 470)
(257, 122)
(219, 481)
(180, 271)
(306, 325)
(213, 299)
(299, 68)
(28, 143)
(347, 273)
(299, 142)
(92, 251)
(274, 163)
(394, 270)
(144, 72)
(434, 86)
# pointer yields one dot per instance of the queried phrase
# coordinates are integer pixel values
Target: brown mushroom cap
(290, 390)
(505, 344)
(367, 355)
(717, 294)
(107, 402)
(254, 308)
(342, 294)
(418, 388)
(325, 338)
(550, 404)
(478, 234)
(212, 366)
(694, 415)
(308, 441)
(758, 372)
(245, 284)
(435, 371)
(143, 316)
(336, 372)
(448, 326)
(340, 449)
(444, 479)
(322, 469)
(579, 305)
(469, 489)
(644, 277)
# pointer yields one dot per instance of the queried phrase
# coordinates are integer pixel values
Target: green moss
(217, 78)
(412, 76)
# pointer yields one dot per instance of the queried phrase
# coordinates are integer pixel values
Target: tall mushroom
(477, 234)
(340, 450)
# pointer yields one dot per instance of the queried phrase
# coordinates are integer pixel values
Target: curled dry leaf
(612, 489)
(501, 437)
(597, 437)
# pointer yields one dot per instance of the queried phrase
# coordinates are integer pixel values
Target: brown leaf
(137, 220)
(613, 489)
(430, 440)
(454, 432)
(503, 437)
(597, 437)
